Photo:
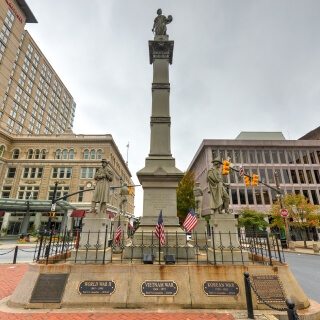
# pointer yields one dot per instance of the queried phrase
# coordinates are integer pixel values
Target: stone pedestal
(225, 247)
(93, 239)
(200, 237)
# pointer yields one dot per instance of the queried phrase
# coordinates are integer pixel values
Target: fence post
(15, 255)
(248, 295)
(292, 312)
(269, 249)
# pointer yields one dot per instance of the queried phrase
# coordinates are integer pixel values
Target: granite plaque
(97, 287)
(166, 288)
(220, 288)
(268, 287)
(49, 288)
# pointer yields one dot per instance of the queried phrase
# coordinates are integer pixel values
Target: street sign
(284, 212)
(53, 207)
(241, 172)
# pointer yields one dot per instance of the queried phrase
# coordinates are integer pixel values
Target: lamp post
(53, 204)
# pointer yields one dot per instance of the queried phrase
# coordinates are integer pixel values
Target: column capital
(161, 50)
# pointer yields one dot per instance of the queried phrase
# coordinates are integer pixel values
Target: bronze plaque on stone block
(49, 288)
(268, 287)
(220, 288)
(166, 288)
(97, 287)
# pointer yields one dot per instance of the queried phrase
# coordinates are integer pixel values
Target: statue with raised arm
(219, 198)
(160, 22)
(124, 192)
(101, 193)
(198, 195)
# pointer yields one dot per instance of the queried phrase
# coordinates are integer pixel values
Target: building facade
(33, 98)
(30, 165)
(297, 163)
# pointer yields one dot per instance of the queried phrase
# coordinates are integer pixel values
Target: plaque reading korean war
(49, 288)
(159, 288)
(97, 287)
(268, 287)
(220, 288)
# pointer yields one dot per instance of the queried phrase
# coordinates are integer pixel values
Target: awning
(111, 215)
(1, 214)
(78, 213)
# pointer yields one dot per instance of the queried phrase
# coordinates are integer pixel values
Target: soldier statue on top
(160, 22)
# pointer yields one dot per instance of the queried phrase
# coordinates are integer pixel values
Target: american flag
(131, 227)
(118, 232)
(191, 221)
(160, 230)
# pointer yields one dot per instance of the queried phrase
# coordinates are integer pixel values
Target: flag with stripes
(131, 227)
(118, 233)
(160, 230)
(191, 221)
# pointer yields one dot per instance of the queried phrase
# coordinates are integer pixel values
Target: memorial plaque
(97, 287)
(166, 288)
(220, 288)
(268, 287)
(49, 288)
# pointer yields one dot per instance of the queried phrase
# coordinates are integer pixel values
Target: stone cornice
(161, 50)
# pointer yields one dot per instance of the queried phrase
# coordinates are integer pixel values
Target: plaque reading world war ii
(159, 288)
(220, 288)
(97, 287)
(49, 288)
(268, 287)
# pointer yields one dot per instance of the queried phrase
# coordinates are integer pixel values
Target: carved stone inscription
(160, 200)
(152, 288)
(49, 288)
(220, 288)
(97, 287)
(268, 287)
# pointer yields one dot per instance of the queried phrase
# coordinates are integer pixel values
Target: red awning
(1, 213)
(111, 215)
(78, 213)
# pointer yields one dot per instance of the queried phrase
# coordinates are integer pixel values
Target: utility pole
(286, 224)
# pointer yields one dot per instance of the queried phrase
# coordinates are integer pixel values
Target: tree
(252, 219)
(302, 214)
(185, 198)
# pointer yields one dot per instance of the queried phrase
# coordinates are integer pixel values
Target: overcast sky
(237, 66)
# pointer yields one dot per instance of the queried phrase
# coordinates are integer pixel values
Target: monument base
(150, 286)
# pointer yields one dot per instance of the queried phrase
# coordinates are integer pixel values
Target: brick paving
(11, 274)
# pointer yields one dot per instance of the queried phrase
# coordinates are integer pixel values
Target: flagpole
(159, 248)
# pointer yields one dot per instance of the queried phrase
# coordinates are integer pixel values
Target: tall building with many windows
(33, 98)
(297, 163)
(30, 165)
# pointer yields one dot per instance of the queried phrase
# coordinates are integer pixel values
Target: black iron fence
(202, 248)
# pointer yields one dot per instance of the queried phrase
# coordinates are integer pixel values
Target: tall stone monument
(160, 177)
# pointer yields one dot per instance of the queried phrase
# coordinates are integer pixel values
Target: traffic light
(52, 214)
(247, 180)
(130, 190)
(255, 179)
(225, 167)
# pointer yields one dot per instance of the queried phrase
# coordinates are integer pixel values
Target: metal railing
(203, 248)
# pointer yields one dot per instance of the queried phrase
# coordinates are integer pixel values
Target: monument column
(160, 178)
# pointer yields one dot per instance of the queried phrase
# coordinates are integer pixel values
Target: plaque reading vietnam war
(152, 288)
(268, 287)
(49, 288)
(220, 288)
(97, 287)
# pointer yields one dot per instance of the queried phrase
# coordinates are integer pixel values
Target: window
(250, 196)
(63, 173)
(6, 192)
(266, 196)
(86, 154)
(234, 196)
(312, 157)
(258, 196)
(301, 175)
(244, 156)
(99, 154)
(80, 195)
(31, 173)
(286, 176)
(61, 191)
(15, 154)
(252, 157)
(314, 197)
(304, 156)
(282, 156)
(270, 176)
(11, 172)
(92, 154)
(242, 196)
(274, 156)
(267, 156)
(87, 173)
(65, 154)
(294, 176)
(71, 154)
(297, 156)
(37, 154)
(30, 154)
(259, 156)
(28, 192)
(309, 176)
(317, 176)
(58, 154)
(43, 154)
(1, 150)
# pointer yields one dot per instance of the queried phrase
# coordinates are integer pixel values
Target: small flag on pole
(131, 227)
(118, 232)
(160, 230)
(191, 221)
